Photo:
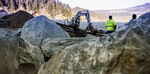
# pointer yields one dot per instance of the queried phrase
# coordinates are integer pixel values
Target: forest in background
(53, 9)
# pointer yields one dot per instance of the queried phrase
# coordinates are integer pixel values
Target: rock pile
(17, 20)
(123, 52)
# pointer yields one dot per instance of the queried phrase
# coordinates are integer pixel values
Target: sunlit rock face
(8, 50)
(39, 28)
(51, 45)
(30, 57)
(18, 56)
(123, 52)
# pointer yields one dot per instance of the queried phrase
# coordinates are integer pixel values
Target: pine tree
(35, 5)
(21, 5)
(49, 7)
(1, 4)
(66, 11)
(30, 5)
(4, 2)
(11, 4)
(45, 1)
(15, 4)
(41, 5)
(26, 4)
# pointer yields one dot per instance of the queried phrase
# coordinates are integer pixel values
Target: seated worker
(89, 28)
(110, 25)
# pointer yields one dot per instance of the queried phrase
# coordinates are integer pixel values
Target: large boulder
(18, 56)
(123, 52)
(8, 50)
(39, 28)
(17, 20)
(50, 46)
(30, 57)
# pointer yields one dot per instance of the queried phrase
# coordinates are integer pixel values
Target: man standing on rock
(133, 17)
(110, 25)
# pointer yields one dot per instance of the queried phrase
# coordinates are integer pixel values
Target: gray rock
(18, 56)
(52, 45)
(123, 52)
(30, 57)
(89, 36)
(8, 51)
(3, 32)
(3, 14)
(39, 28)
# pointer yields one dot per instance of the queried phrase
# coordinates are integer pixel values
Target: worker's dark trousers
(108, 32)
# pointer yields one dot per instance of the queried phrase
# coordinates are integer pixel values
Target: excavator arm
(76, 19)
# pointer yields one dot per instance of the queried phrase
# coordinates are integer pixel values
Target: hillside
(94, 16)
(124, 15)
(50, 8)
(54, 9)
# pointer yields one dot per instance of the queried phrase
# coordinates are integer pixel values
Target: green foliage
(35, 5)
(20, 3)
(11, 4)
(66, 11)
(13, 7)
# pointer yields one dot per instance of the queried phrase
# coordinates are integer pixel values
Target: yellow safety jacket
(110, 25)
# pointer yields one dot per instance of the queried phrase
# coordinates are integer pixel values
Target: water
(96, 25)
(99, 25)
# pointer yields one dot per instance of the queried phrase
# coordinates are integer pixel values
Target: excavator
(76, 20)
(73, 28)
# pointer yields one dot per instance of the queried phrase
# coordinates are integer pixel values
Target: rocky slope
(124, 15)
